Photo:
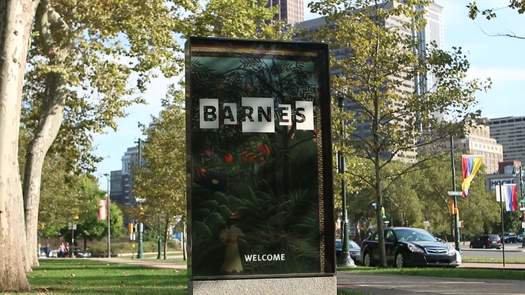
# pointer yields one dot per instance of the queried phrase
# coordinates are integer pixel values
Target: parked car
(354, 250)
(486, 241)
(511, 238)
(43, 252)
(406, 246)
(53, 253)
(79, 253)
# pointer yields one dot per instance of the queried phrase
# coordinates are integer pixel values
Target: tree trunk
(51, 118)
(379, 216)
(52, 115)
(166, 233)
(16, 19)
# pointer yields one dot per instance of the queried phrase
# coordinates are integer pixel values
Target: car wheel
(400, 260)
(367, 261)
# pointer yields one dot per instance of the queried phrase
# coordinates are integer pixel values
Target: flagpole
(502, 223)
(456, 211)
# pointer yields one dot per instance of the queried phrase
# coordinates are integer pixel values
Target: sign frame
(196, 45)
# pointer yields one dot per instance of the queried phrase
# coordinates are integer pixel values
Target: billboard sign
(260, 200)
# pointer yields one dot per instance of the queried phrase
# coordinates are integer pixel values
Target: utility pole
(108, 205)
(346, 259)
(522, 204)
(140, 226)
(502, 222)
(456, 211)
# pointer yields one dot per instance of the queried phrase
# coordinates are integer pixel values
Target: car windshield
(338, 244)
(351, 244)
(413, 235)
(493, 237)
(354, 245)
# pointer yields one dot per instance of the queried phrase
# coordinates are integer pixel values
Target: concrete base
(284, 286)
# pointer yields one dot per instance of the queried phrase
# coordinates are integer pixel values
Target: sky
(500, 58)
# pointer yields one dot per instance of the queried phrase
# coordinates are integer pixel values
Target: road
(512, 252)
(408, 285)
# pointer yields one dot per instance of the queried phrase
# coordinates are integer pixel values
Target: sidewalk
(509, 266)
(166, 265)
(142, 262)
(508, 248)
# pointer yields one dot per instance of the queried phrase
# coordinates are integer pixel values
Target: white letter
(209, 113)
(286, 111)
(230, 113)
(258, 104)
(304, 109)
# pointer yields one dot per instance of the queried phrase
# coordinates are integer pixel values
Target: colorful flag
(102, 210)
(470, 166)
(510, 197)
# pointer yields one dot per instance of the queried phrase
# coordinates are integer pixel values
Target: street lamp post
(140, 225)
(502, 222)
(108, 204)
(346, 259)
(522, 204)
(455, 212)
(72, 227)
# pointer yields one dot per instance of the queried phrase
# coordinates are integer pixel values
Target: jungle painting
(257, 199)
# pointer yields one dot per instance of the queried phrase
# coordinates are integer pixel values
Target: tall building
(479, 142)
(291, 11)
(431, 33)
(122, 180)
(130, 160)
(510, 132)
(116, 191)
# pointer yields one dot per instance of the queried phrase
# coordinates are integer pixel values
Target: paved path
(409, 285)
(392, 284)
(167, 265)
(517, 266)
(142, 262)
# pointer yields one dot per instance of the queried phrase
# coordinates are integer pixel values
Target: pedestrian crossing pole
(108, 204)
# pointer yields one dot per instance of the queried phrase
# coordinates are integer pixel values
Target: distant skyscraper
(291, 11)
(510, 132)
(122, 180)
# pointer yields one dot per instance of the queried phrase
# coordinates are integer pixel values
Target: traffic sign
(455, 194)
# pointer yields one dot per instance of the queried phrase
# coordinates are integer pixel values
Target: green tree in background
(375, 67)
(422, 196)
(238, 19)
(161, 180)
(88, 61)
(479, 212)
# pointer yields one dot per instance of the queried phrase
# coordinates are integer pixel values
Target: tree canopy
(392, 88)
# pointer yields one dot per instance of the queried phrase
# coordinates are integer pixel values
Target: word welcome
(257, 114)
(264, 257)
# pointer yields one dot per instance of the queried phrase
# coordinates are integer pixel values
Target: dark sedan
(353, 249)
(486, 242)
(407, 246)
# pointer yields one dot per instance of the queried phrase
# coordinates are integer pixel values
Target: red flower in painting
(264, 149)
(201, 171)
(228, 158)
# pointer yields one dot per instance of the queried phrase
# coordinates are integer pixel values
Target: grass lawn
(444, 272)
(473, 259)
(78, 276)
